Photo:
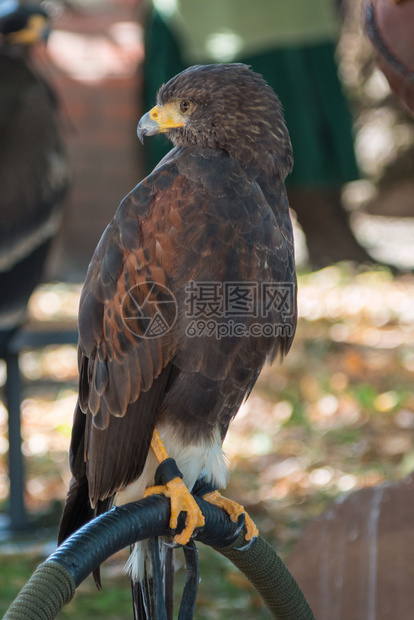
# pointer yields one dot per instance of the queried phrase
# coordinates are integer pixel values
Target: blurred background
(338, 415)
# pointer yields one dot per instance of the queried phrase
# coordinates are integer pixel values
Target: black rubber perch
(54, 582)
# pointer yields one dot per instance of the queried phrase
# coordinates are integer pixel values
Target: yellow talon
(181, 500)
(180, 497)
(234, 510)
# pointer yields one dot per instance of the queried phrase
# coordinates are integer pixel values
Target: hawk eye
(185, 105)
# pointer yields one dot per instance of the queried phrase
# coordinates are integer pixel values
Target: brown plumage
(214, 210)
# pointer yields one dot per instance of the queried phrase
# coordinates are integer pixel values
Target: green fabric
(269, 575)
(306, 80)
(49, 589)
(162, 61)
(218, 30)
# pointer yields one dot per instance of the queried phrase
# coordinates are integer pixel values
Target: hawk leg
(234, 510)
(180, 497)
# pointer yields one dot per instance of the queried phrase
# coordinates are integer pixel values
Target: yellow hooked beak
(160, 120)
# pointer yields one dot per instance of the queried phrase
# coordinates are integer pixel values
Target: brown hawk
(191, 290)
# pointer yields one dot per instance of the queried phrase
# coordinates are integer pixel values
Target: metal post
(18, 513)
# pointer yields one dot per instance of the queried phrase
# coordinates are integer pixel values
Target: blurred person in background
(292, 44)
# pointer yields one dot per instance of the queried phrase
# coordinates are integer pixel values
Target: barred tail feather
(153, 561)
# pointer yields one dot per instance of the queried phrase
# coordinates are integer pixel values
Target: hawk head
(223, 106)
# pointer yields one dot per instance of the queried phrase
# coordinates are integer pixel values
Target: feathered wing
(123, 375)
